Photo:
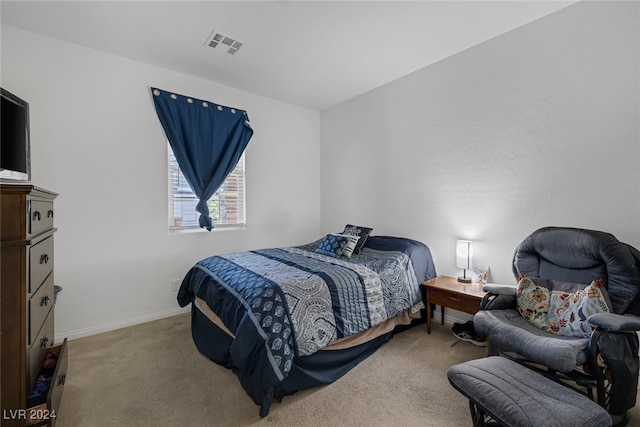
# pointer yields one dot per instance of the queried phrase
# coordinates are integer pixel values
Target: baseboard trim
(449, 319)
(107, 327)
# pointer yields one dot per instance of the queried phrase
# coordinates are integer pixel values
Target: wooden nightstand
(448, 292)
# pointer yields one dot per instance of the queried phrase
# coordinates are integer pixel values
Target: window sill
(192, 230)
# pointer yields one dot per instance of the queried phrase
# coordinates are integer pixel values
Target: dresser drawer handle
(44, 258)
(44, 342)
(454, 299)
(36, 216)
(44, 301)
(50, 213)
(62, 379)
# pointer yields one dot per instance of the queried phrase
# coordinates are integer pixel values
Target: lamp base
(464, 279)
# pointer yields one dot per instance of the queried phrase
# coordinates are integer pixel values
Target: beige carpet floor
(153, 375)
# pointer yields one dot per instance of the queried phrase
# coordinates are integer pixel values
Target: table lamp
(464, 259)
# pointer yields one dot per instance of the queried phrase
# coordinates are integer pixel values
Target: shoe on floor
(466, 332)
(459, 328)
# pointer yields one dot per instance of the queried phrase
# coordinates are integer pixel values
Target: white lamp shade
(464, 254)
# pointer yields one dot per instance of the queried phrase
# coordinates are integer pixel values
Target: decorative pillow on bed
(361, 232)
(350, 246)
(561, 308)
(332, 245)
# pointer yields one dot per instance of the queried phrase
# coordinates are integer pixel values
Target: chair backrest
(581, 256)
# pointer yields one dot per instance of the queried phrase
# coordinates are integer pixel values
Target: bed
(291, 318)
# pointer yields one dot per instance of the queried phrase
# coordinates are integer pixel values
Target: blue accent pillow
(361, 232)
(332, 245)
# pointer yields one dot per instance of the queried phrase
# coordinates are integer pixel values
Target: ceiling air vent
(217, 40)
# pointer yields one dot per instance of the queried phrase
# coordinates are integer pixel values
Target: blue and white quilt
(283, 303)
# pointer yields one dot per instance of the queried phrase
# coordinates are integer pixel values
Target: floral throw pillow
(332, 245)
(569, 311)
(563, 311)
(533, 303)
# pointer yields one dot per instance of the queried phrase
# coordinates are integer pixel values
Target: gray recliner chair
(605, 363)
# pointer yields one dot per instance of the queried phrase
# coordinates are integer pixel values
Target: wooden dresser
(27, 304)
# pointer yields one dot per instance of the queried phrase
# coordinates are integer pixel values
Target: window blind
(226, 206)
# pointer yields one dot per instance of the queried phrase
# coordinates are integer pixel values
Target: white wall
(536, 127)
(97, 141)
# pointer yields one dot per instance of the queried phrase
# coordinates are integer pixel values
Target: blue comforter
(283, 303)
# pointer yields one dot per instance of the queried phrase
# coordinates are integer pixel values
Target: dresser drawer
(40, 216)
(40, 304)
(40, 263)
(38, 348)
(462, 302)
(47, 413)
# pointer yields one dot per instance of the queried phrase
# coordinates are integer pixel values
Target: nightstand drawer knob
(62, 379)
(44, 301)
(37, 216)
(44, 342)
(44, 258)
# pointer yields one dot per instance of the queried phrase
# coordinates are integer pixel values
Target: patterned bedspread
(288, 302)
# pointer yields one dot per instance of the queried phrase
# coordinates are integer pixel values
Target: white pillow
(351, 244)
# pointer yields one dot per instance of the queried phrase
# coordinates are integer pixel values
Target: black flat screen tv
(15, 151)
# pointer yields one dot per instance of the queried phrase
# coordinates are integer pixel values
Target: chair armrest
(615, 322)
(498, 302)
(498, 297)
(495, 288)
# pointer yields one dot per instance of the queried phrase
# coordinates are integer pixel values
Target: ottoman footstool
(512, 395)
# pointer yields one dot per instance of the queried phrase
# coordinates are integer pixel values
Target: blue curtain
(207, 140)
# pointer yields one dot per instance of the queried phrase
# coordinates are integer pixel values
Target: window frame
(191, 199)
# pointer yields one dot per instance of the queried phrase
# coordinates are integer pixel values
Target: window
(226, 206)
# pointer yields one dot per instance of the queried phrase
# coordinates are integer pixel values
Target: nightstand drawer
(457, 301)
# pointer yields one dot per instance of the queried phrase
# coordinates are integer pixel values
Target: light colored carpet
(153, 375)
